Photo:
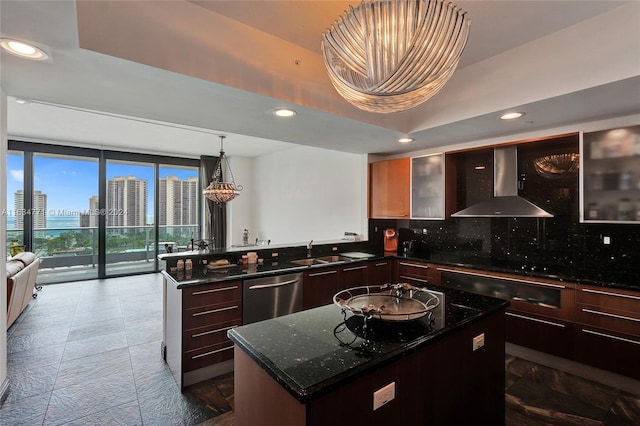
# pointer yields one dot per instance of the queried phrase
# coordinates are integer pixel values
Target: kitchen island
(320, 366)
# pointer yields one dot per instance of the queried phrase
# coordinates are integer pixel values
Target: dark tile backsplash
(555, 246)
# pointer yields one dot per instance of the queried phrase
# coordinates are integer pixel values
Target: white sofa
(22, 271)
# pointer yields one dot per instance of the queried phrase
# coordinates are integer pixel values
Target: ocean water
(52, 222)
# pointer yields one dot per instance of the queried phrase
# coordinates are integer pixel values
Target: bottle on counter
(245, 237)
(188, 264)
(180, 265)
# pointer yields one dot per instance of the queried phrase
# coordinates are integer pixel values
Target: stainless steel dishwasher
(270, 297)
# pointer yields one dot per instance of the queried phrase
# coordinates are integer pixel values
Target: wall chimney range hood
(505, 202)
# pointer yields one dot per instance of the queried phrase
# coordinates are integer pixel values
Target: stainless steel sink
(331, 259)
(305, 262)
(319, 260)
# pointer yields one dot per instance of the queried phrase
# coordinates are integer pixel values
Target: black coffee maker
(409, 247)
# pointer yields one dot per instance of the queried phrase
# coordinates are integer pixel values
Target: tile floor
(89, 353)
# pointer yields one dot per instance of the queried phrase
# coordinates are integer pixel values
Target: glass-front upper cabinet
(610, 176)
(427, 187)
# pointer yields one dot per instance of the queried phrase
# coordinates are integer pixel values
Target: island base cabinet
(443, 383)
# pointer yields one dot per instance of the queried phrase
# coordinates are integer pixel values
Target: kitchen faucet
(309, 246)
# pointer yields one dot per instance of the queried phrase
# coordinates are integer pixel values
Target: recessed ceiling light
(405, 140)
(284, 112)
(22, 101)
(511, 115)
(22, 49)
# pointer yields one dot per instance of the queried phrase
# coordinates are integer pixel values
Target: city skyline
(52, 176)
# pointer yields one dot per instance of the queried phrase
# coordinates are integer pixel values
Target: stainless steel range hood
(506, 202)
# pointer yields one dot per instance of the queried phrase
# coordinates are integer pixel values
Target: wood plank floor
(88, 353)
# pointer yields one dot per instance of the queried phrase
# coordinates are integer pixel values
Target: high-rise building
(38, 211)
(126, 201)
(90, 219)
(178, 200)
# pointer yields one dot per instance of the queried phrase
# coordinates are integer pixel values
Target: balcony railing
(72, 253)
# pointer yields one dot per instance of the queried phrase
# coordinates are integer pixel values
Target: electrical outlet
(606, 240)
(384, 395)
(334, 248)
(478, 342)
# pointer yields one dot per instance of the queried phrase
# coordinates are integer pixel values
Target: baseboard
(588, 372)
(206, 373)
(4, 390)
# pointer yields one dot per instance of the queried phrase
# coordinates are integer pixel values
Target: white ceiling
(167, 76)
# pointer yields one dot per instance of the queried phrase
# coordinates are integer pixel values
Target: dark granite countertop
(313, 351)
(202, 275)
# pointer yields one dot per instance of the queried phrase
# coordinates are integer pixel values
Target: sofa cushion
(13, 267)
(25, 257)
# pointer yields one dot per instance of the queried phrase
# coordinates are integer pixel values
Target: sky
(69, 183)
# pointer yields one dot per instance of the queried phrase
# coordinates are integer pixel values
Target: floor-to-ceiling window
(130, 219)
(64, 227)
(15, 190)
(179, 196)
(91, 213)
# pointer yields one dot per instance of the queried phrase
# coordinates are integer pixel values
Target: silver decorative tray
(390, 302)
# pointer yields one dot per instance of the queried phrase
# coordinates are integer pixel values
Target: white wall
(306, 193)
(3, 239)
(240, 212)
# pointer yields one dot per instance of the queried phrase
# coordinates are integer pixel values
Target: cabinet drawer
(418, 273)
(608, 350)
(206, 356)
(624, 322)
(212, 314)
(211, 294)
(609, 298)
(545, 335)
(207, 336)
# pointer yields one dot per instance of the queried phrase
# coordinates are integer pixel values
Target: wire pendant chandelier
(219, 191)
(392, 55)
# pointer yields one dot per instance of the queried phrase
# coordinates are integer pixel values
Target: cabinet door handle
(211, 352)
(606, 314)
(382, 264)
(228, 308)
(515, 280)
(193, 336)
(355, 268)
(555, 324)
(635, 342)
(415, 279)
(215, 290)
(608, 293)
(317, 274)
(259, 286)
(413, 265)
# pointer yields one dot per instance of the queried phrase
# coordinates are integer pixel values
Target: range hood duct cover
(506, 202)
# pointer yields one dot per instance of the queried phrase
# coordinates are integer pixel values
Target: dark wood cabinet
(415, 273)
(390, 189)
(196, 323)
(551, 336)
(353, 275)
(319, 286)
(379, 272)
(608, 329)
